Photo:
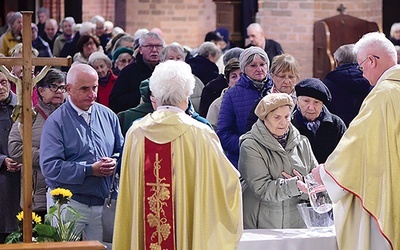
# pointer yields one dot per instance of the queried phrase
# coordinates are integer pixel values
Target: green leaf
(44, 230)
(14, 237)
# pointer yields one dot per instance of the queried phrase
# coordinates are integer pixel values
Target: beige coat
(15, 152)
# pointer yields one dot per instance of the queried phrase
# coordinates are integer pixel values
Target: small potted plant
(56, 227)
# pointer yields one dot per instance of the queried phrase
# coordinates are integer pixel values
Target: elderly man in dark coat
(126, 93)
(346, 84)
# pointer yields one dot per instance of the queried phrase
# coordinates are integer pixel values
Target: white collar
(78, 110)
(171, 108)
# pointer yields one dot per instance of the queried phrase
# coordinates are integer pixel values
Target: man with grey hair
(126, 93)
(361, 174)
(347, 85)
(78, 147)
(175, 177)
(257, 38)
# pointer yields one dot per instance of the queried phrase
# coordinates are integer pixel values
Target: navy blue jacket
(235, 108)
(348, 89)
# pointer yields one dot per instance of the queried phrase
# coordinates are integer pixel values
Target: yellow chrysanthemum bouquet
(58, 226)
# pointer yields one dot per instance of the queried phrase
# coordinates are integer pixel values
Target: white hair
(171, 83)
(375, 43)
(86, 28)
(97, 18)
(395, 27)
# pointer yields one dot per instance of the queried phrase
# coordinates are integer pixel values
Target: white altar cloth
(293, 239)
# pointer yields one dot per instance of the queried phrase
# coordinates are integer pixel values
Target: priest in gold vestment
(362, 174)
(177, 188)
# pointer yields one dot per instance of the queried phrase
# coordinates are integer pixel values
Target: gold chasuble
(366, 163)
(177, 189)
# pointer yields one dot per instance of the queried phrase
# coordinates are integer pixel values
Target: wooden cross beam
(26, 89)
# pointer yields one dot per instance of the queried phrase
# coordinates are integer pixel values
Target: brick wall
(187, 21)
(183, 21)
(288, 22)
(104, 8)
(291, 23)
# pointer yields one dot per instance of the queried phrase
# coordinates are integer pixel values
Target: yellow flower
(20, 216)
(61, 195)
(66, 193)
(36, 218)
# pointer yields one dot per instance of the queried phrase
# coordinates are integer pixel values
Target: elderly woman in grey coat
(273, 159)
(51, 92)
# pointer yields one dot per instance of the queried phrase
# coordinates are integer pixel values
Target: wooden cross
(25, 89)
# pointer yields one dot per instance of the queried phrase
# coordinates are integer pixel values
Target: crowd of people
(220, 137)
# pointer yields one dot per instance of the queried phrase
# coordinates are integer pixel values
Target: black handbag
(108, 215)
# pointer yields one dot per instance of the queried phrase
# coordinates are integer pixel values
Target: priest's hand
(104, 167)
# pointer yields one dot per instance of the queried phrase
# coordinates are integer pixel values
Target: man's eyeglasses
(54, 88)
(151, 46)
(360, 68)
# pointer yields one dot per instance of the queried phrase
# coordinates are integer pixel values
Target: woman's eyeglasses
(54, 88)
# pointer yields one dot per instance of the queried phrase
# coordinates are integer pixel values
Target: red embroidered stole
(158, 202)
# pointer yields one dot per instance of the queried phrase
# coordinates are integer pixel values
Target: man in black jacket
(126, 93)
(257, 38)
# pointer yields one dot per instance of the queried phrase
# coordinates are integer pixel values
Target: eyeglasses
(283, 77)
(360, 68)
(3, 82)
(151, 46)
(125, 60)
(54, 88)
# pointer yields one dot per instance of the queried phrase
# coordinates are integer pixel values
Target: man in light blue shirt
(77, 146)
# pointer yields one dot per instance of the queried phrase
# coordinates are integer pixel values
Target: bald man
(79, 143)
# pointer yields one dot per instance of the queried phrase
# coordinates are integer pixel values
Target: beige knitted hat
(271, 102)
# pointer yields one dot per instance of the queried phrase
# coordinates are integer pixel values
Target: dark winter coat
(126, 93)
(203, 68)
(348, 89)
(235, 107)
(328, 134)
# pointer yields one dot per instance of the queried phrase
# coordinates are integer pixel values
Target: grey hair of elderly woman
(395, 27)
(247, 56)
(171, 83)
(209, 49)
(13, 18)
(168, 49)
